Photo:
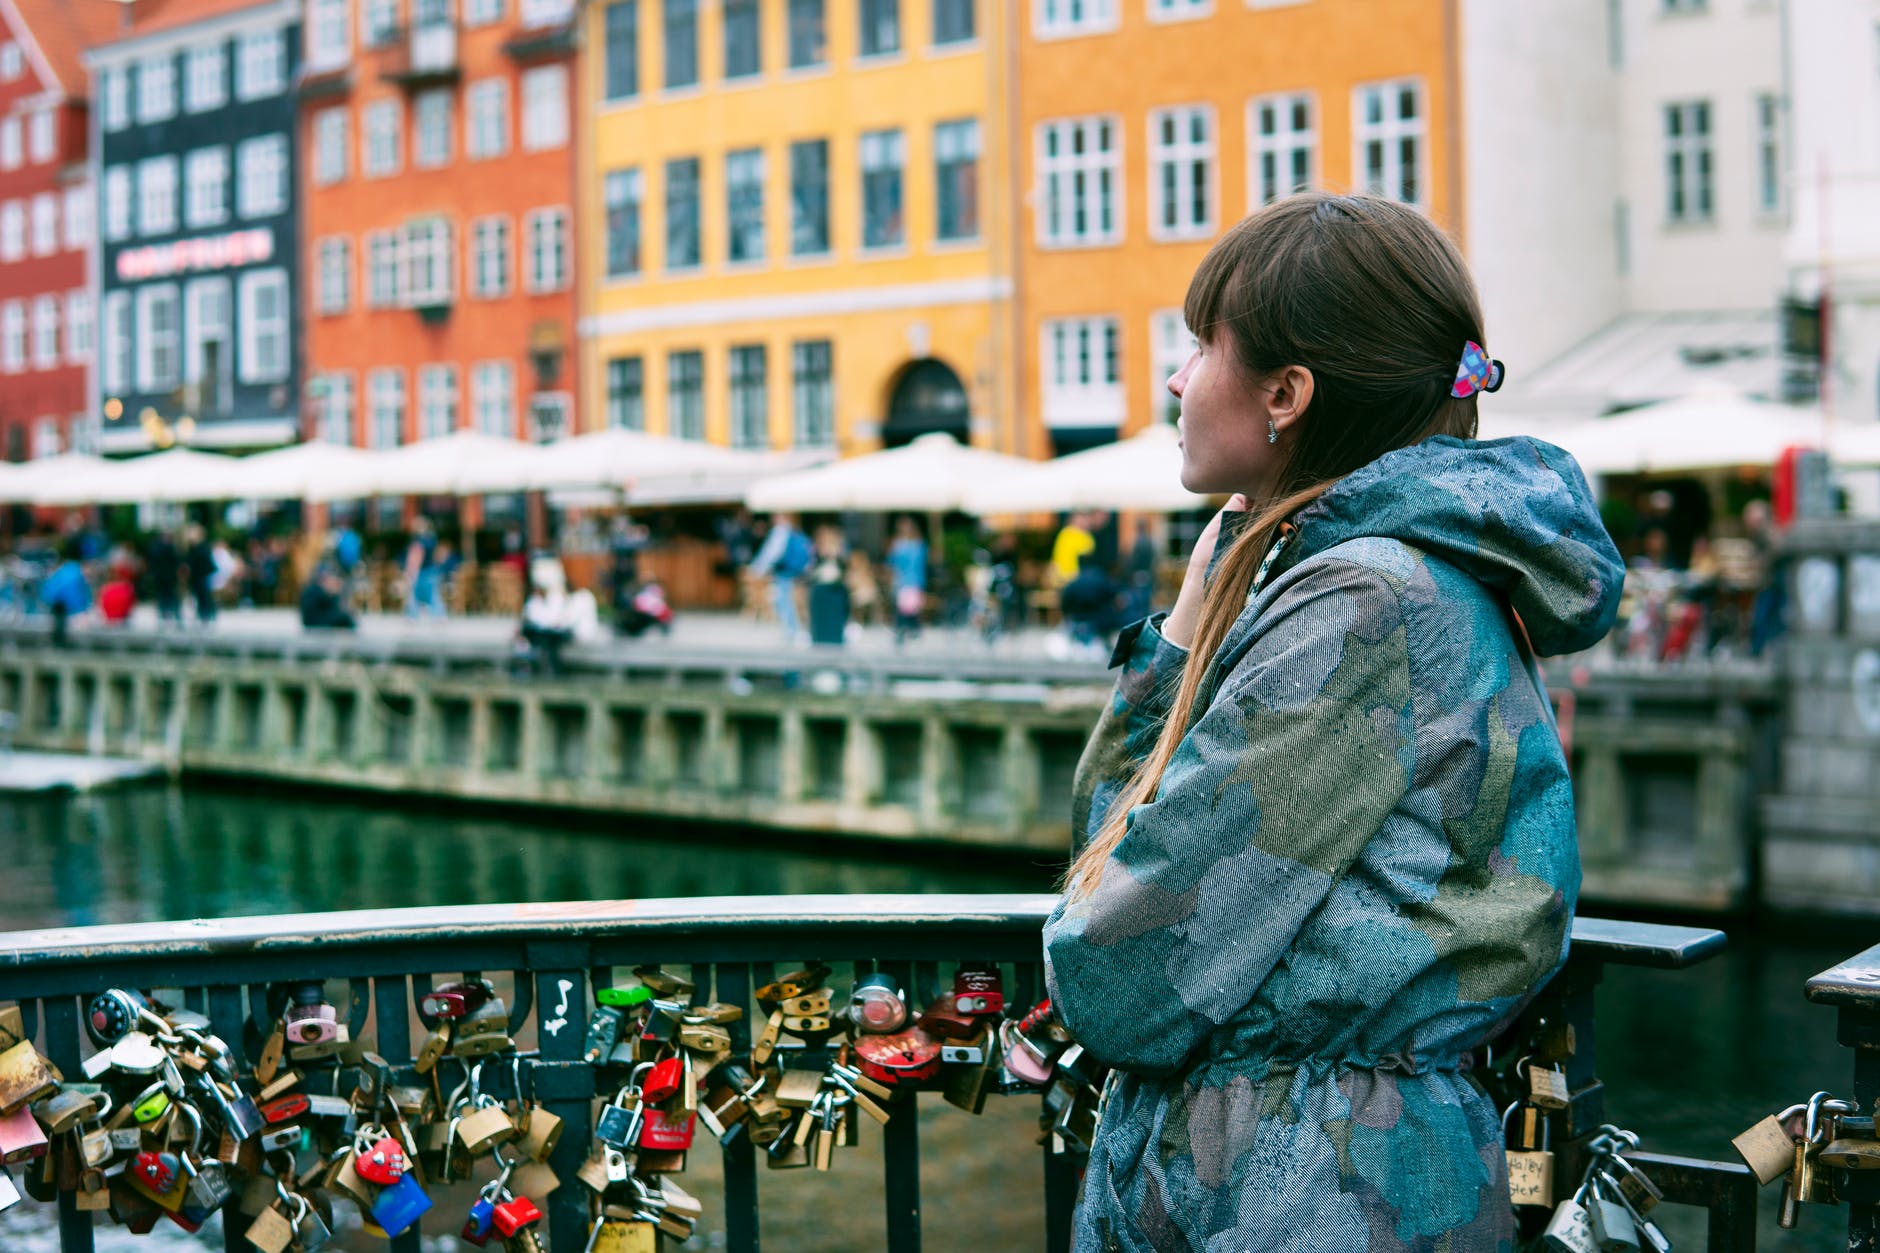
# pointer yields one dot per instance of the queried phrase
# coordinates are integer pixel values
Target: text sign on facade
(211, 252)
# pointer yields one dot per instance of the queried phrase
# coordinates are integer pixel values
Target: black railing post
(62, 1031)
(564, 1081)
(1853, 989)
(900, 1147)
(732, 981)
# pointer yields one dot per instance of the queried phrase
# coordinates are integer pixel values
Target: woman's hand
(1179, 627)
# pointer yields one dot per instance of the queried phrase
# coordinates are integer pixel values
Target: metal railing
(1852, 989)
(557, 952)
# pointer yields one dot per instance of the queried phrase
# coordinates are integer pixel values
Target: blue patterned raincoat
(1360, 864)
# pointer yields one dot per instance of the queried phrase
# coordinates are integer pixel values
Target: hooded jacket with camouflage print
(1360, 863)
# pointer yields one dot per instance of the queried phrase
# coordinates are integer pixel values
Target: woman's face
(1223, 425)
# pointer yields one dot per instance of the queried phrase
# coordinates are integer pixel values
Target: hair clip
(1477, 373)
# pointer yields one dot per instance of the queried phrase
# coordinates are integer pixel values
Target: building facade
(46, 311)
(198, 227)
(790, 240)
(440, 231)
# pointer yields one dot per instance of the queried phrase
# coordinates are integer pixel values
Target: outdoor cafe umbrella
(441, 466)
(291, 473)
(175, 475)
(931, 475)
(1710, 429)
(1141, 473)
(612, 458)
(21, 482)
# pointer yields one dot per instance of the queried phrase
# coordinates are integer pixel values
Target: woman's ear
(1288, 395)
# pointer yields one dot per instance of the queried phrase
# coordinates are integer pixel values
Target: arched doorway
(928, 398)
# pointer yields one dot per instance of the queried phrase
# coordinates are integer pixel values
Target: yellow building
(792, 232)
(1147, 127)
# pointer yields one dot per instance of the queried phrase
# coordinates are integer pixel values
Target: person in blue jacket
(1325, 833)
(66, 593)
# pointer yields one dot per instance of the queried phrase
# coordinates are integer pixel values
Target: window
(1688, 172)
(45, 332)
(680, 31)
(1052, 18)
(1170, 345)
(880, 33)
(544, 108)
(1769, 153)
(335, 391)
(381, 269)
(114, 368)
(1080, 161)
(809, 197)
(1082, 385)
(261, 67)
(264, 319)
(744, 204)
(329, 33)
(383, 122)
(156, 196)
(12, 62)
(750, 417)
(208, 344)
(156, 89)
(378, 22)
(1181, 172)
(622, 33)
(157, 338)
(330, 141)
(548, 250)
(11, 154)
(78, 328)
(1177, 10)
(956, 179)
(682, 194)
(114, 90)
(385, 400)
(1283, 141)
(13, 336)
(813, 394)
(545, 12)
(42, 135)
(744, 43)
(953, 21)
(117, 203)
(882, 156)
(494, 397)
(78, 216)
(45, 224)
(429, 263)
(626, 394)
(431, 123)
(205, 85)
(486, 113)
(12, 230)
(685, 395)
(261, 186)
(490, 264)
(1389, 136)
(623, 192)
(335, 275)
(437, 400)
(808, 34)
(205, 184)
(482, 12)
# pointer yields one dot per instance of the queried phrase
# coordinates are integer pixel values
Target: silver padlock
(1569, 1230)
(1610, 1221)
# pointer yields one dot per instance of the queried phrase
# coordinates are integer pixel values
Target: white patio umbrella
(176, 475)
(930, 475)
(1704, 430)
(291, 473)
(433, 467)
(613, 458)
(20, 483)
(1142, 473)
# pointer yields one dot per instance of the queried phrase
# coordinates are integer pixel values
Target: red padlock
(453, 1000)
(666, 1133)
(383, 1163)
(285, 1108)
(662, 1081)
(157, 1170)
(515, 1214)
(905, 1056)
(21, 1138)
(978, 990)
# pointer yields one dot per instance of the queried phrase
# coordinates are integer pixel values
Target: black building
(198, 264)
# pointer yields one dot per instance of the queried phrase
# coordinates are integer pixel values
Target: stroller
(642, 611)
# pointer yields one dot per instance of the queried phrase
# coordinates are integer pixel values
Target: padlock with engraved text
(1547, 1085)
(1530, 1157)
(1570, 1230)
(978, 990)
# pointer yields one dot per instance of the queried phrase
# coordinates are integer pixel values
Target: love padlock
(158, 1176)
(400, 1205)
(662, 1081)
(516, 1213)
(481, 1223)
(384, 1162)
(666, 1133)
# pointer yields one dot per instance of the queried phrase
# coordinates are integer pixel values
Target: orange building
(1126, 178)
(439, 230)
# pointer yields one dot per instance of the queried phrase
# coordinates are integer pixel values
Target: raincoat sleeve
(1151, 670)
(1302, 753)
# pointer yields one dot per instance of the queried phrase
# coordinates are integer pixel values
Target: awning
(174, 475)
(932, 474)
(434, 467)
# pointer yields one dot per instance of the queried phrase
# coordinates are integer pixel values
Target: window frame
(479, 116)
(1283, 146)
(537, 281)
(623, 192)
(812, 392)
(198, 212)
(687, 407)
(1182, 157)
(1390, 133)
(481, 231)
(333, 261)
(696, 213)
(878, 179)
(376, 111)
(156, 92)
(798, 217)
(1690, 163)
(1102, 166)
(252, 366)
(1080, 401)
(745, 179)
(332, 146)
(260, 65)
(545, 122)
(626, 396)
(668, 44)
(482, 395)
(620, 52)
(947, 167)
(150, 341)
(747, 382)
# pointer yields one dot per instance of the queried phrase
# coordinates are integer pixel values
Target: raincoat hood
(1515, 514)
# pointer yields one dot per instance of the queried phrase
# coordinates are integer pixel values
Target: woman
(1325, 826)
(907, 570)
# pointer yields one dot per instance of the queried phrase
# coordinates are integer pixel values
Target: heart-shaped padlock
(383, 1162)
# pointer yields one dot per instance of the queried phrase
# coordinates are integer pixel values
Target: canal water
(1689, 1058)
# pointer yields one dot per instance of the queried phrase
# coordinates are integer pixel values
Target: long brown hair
(1377, 303)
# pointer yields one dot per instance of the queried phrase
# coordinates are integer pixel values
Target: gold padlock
(618, 1236)
(25, 1076)
(539, 1139)
(534, 1180)
(12, 1026)
(809, 1005)
(482, 1129)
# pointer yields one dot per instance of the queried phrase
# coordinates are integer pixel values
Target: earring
(1272, 432)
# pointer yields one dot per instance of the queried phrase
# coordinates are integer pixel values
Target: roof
(60, 31)
(156, 17)
(1646, 357)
